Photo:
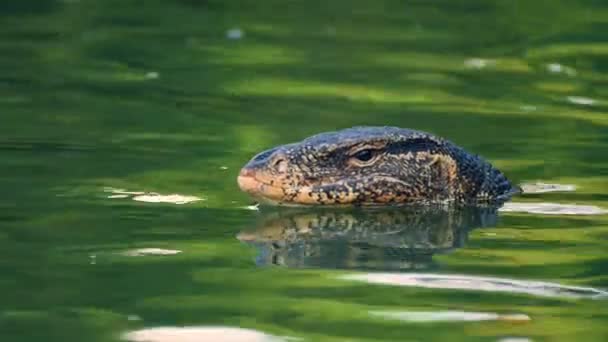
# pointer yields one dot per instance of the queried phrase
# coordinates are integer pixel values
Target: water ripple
(553, 208)
(475, 283)
(151, 197)
(447, 316)
(541, 188)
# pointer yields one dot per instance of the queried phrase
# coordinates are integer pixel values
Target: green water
(154, 97)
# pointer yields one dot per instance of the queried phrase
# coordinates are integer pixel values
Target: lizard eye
(364, 155)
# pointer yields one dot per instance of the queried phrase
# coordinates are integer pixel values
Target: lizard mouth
(266, 188)
(259, 186)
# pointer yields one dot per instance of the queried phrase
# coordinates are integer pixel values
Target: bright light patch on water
(254, 207)
(122, 191)
(235, 33)
(557, 68)
(118, 196)
(447, 316)
(552, 209)
(584, 101)
(199, 334)
(152, 197)
(150, 251)
(539, 188)
(477, 63)
(474, 283)
(152, 75)
(173, 198)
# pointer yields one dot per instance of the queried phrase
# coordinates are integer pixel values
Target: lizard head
(364, 166)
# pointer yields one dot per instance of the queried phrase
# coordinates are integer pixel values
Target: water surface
(171, 98)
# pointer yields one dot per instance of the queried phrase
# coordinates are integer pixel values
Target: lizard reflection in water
(380, 239)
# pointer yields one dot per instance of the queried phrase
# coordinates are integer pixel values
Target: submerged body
(373, 166)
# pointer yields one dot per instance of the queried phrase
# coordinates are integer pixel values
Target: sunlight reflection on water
(448, 316)
(152, 197)
(465, 282)
(197, 334)
(552, 208)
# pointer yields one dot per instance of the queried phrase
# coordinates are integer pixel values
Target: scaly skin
(367, 166)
